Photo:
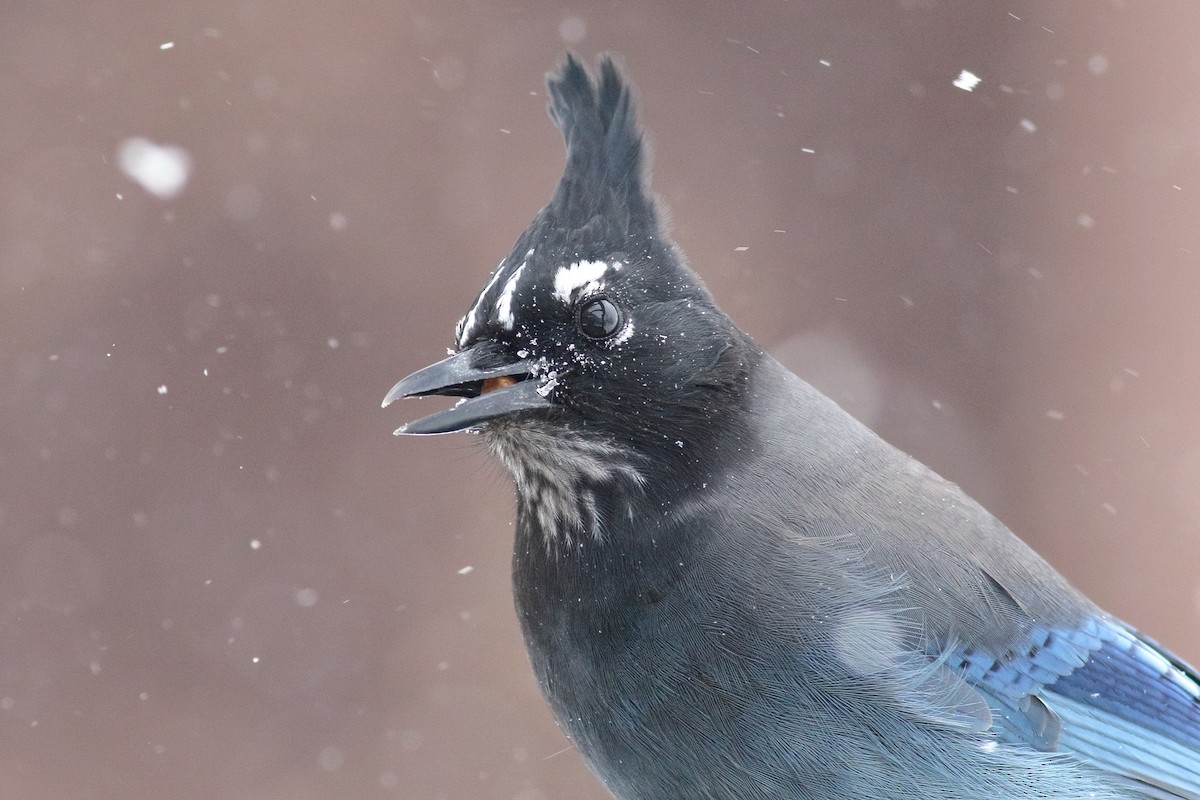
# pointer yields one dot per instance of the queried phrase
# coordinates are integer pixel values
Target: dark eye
(599, 318)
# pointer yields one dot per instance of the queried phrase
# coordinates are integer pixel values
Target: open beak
(487, 392)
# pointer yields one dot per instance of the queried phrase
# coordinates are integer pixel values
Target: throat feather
(568, 487)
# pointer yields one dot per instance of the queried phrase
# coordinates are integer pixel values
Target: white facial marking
(624, 335)
(569, 280)
(504, 304)
(467, 326)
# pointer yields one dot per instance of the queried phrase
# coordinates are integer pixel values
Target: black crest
(605, 185)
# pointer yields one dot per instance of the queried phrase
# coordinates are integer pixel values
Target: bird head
(593, 354)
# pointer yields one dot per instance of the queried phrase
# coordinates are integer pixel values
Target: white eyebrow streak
(570, 279)
(472, 318)
(504, 304)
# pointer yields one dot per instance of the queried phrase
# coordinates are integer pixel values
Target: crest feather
(605, 173)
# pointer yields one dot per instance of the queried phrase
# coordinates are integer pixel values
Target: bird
(731, 589)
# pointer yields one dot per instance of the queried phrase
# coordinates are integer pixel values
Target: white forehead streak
(504, 304)
(472, 318)
(570, 279)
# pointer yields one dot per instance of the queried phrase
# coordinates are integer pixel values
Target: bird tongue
(492, 384)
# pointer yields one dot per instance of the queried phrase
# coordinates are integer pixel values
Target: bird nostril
(492, 384)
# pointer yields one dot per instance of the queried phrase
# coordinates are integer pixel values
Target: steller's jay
(729, 588)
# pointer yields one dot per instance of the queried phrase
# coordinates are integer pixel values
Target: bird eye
(599, 318)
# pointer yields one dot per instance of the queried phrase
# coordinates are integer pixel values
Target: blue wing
(1101, 692)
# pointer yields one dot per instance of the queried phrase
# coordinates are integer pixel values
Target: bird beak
(487, 392)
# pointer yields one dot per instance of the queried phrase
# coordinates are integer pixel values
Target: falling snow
(967, 81)
(162, 170)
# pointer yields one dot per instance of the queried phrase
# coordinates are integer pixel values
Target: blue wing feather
(1133, 678)
(1101, 692)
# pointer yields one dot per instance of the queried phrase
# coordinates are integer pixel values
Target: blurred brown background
(222, 577)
